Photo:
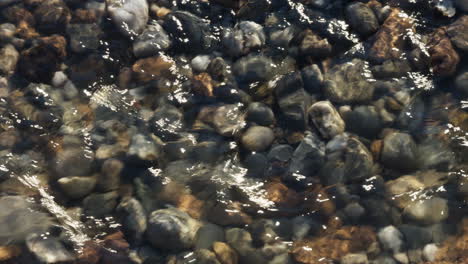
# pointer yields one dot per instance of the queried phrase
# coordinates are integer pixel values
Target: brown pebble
(224, 253)
(444, 58)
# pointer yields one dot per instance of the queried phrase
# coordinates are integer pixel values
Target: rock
(391, 69)
(109, 179)
(384, 260)
(415, 236)
(52, 16)
(129, 16)
(133, 219)
(39, 62)
(457, 33)
(292, 100)
(326, 119)
(20, 220)
(83, 37)
(171, 229)
(228, 120)
(188, 32)
(462, 5)
(142, 149)
(153, 40)
(8, 59)
(364, 121)
(312, 78)
(282, 152)
(225, 253)
(152, 68)
(461, 82)
(100, 204)
(48, 250)
(444, 58)
(435, 154)
(282, 37)
(401, 190)
(427, 211)
(389, 40)
(73, 162)
(257, 138)
(430, 252)
(354, 212)
(218, 69)
(308, 157)
(253, 68)
(302, 226)
(445, 7)
(207, 235)
(77, 187)
(167, 122)
(347, 160)
(200, 63)
(202, 256)
(391, 239)
(362, 19)
(315, 46)
(355, 258)
(243, 38)
(8, 2)
(399, 151)
(256, 164)
(260, 114)
(349, 82)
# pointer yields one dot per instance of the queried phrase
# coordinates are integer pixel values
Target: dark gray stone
(133, 218)
(364, 121)
(153, 40)
(399, 151)
(309, 156)
(362, 19)
(244, 37)
(100, 204)
(84, 37)
(260, 114)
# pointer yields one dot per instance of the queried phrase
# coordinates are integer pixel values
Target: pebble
(313, 78)
(253, 68)
(77, 187)
(228, 120)
(257, 138)
(457, 32)
(308, 157)
(326, 119)
(153, 40)
(444, 58)
(129, 16)
(315, 46)
(52, 16)
(200, 63)
(48, 250)
(260, 114)
(364, 121)
(142, 149)
(225, 253)
(243, 38)
(399, 151)
(292, 100)
(83, 37)
(354, 258)
(207, 235)
(9, 57)
(171, 229)
(427, 211)
(430, 252)
(109, 178)
(100, 204)
(362, 19)
(133, 219)
(391, 239)
(73, 162)
(461, 83)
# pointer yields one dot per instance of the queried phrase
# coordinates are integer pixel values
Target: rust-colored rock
(444, 58)
(225, 254)
(389, 40)
(317, 199)
(191, 205)
(282, 195)
(153, 68)
(334, 245)
(376, 148)
(84, 16)
(9, 252)
(202, 84)
(25, 30)
(228, 215)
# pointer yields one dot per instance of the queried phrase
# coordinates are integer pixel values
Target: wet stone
(364, 121)
(253, 68)
(153, 40)
(73, 162)
(243, 38)
(171, 229)
(391, 239)
(362, 19)
(49, 250)
(129, 16)
(228, 120)
(309, 156)
(457, 33)
(462, 5)
(349, 82)
(355, 258)
(292, 100)
(444, 58)
(315, 46)
(207, 235)
(257, 138)
(133, 219)
(77, 187)
(100, 204)
(326, 119)
(260, 114)
(52, 17)
(313, 78)
(399, 151)
(109, 179)
(8, 59)
(461, 82)
(427, 211)
(83, 37)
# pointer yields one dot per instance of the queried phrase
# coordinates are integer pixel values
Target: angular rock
(401, 190)
(257, 138)
(129, 16)
(244, 37)
(349, 82)
(326, 119)
(355, 258)
(228, 120)
(153, 68)
(444, 58)
(389, 40)
(362, 19)
(77, 187)
(153, 40)
(292, 100)
(315, 46)
(312, 78)
(83, 37)
(142, 149)
(171, 229)
(399, 152)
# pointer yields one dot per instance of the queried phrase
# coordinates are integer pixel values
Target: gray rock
(354, 212)
(100, 204)
(77, 187)
(253, 68)
(73, 162)
(362, 19)
(8, 59)
(171, 229)
(167, 122)
(257, 164)
(83, 37)
(201, 256)
(364, 121)
(228, 120)
(433, 153)
(153, 40)
(461, 82)
(458, 32)
(427, 211)
(142, 149)
(257, 138)
(133, 219)
(384, 260)
(462, 5)
(430, 252)
(59, 79)
(241, 241)
(200, 63)
(391, 69)
(399, 151)
(129, 16)
(244, 37)
(312, 78)
(415, 236)
(260, 114)
(188, 32)
(109, 178)
(326, 119)
(349, 82)
(292, 99)
(309, 156)
(48, 250)
(391, 239)
(207, 235)
(282, 152)
(282, 37)
(302, 226)
(354, 258)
